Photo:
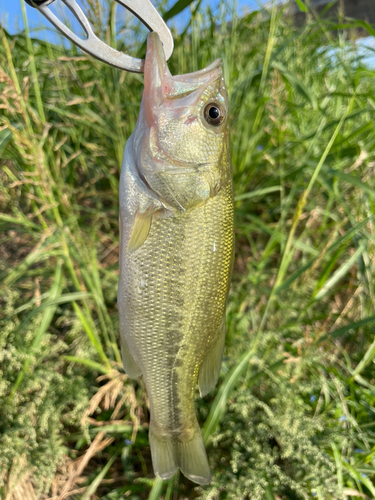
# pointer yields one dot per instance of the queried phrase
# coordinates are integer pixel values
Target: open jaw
(161, 85)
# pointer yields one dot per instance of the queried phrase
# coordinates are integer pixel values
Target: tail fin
(192, 459)
(170, 453)
(163, 455)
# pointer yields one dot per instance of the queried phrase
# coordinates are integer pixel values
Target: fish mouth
(203, 75)
(157, 74)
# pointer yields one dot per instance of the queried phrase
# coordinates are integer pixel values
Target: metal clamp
(143, 9)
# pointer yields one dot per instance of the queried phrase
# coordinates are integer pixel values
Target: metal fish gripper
(142, 9)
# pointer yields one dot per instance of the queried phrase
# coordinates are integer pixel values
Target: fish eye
(214, 114)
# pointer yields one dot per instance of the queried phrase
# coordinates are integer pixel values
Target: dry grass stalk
(24, 490)
(107, 397)
(107, 394)
(96, 446)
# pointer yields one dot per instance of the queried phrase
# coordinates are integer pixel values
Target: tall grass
(293, 414)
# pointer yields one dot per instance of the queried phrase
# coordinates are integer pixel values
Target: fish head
(184, 117)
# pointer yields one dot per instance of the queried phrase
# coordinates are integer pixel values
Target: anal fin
(130, 366)
(141, 228)
(210, 368)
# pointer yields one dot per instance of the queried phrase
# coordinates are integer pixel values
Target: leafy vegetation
(293, 416)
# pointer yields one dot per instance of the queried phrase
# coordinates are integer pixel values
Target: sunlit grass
(293, 414)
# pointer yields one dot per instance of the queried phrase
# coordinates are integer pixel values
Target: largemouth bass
(176, 253)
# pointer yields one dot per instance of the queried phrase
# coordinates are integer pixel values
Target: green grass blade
(257, 192)
(38, 95)
(359, 478)
(22, 221)
(91, 334)
(156, 489)
(178, 7)
(354, 181)
(347, 328)
(64, 298)
(340, 273)
(50, 310)
(269, 493)
(302, 7)
(338, 461)
(5, 137)
(88, 362)
(366, 360)
(340, 241)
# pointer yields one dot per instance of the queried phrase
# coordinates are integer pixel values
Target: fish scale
(184, 302)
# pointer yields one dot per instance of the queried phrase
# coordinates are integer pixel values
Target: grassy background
(293, 416)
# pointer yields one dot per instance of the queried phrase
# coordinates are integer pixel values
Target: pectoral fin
(130, 366)
(141, 228)
(210, 368)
